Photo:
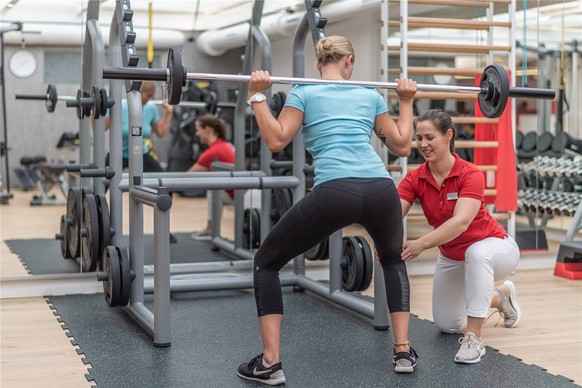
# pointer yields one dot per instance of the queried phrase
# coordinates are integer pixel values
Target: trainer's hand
(259, 82)
(406, 88)
(411, 249)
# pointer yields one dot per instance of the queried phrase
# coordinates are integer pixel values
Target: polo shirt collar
(424, 171)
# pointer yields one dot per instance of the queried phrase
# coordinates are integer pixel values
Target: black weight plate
(368, 257)
(518, 139)
(177, 76)
(530, 141)
(64, 244)
(545, 140)
(319, 251)
(125, 291)
(246, 229)
(104, 227)
(96, 96)
(79, 108)
(104, 102)
(87, 108)
(51, 98)
(90, 235)
(73, 220)
(255, 228)
(560, 142)
(112, 286)
(494, 93)
(352, 265)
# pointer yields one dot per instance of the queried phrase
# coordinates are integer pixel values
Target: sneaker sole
(268, 382)
(403, 369)
(513, 301)
(471, 361)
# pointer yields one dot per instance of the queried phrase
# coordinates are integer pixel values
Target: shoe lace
(468, 339)
(499, 316)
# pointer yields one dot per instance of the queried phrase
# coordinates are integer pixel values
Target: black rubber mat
(323, 345)
(43, 256)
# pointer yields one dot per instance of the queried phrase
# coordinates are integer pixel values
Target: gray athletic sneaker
(508, 306)
(471, 350)
(404, 362)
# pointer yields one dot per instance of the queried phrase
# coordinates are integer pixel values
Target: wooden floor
(35, 350)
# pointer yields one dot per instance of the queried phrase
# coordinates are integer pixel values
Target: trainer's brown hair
(442, 121)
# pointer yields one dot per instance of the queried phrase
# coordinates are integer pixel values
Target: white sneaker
(471, 350)
(201, 235)
(508, 306)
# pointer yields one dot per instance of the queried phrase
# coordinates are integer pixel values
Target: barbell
(51, 97)
(493, 91)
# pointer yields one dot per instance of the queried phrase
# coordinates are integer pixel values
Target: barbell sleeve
(538, 93)
(125, 73)
(31, 97)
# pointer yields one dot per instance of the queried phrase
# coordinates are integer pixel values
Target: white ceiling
(562, 19)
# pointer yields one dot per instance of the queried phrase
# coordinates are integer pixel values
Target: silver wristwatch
(257, 97)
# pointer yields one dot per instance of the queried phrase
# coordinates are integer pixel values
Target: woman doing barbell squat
(337, 122)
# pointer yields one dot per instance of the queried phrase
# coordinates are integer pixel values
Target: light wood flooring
(35, 351)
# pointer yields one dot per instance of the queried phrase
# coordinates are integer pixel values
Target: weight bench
(37, 172)
(46, 176)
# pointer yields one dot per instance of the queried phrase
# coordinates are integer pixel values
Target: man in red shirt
(212, 131)
(475, 250)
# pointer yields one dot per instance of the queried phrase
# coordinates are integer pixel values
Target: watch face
(22, 64)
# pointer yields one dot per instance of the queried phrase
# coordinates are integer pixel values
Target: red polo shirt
(464, 181)
(219, 150)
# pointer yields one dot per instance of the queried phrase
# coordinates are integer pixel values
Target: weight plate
(246, 229)
(368, 258)
(96, 96)
(530, 141)
(87, 108)
(73, 220)
(177, 78)
(561, 141)
(494, 93)
(104, 102)
(251, 228)
(125, 291)
(90, 234)
(79, 108)
(319, 252)
(545, 140)
(352, 264)
(64, 244)
(104, 227)
(112, 286)
(518, 139)
(51, 98)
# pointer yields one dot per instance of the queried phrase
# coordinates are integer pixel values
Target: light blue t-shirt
(150, 115)
(338, 122)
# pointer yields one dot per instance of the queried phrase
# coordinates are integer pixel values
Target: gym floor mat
(323, 345)
(43, 256)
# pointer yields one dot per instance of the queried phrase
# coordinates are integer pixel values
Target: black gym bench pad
(323, 345)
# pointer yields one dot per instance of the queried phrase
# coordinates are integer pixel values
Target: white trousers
(465, 288)
(252, 198)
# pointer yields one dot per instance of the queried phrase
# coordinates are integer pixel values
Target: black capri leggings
(330, 206)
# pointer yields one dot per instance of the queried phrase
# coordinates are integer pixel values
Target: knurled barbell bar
(493, 91)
